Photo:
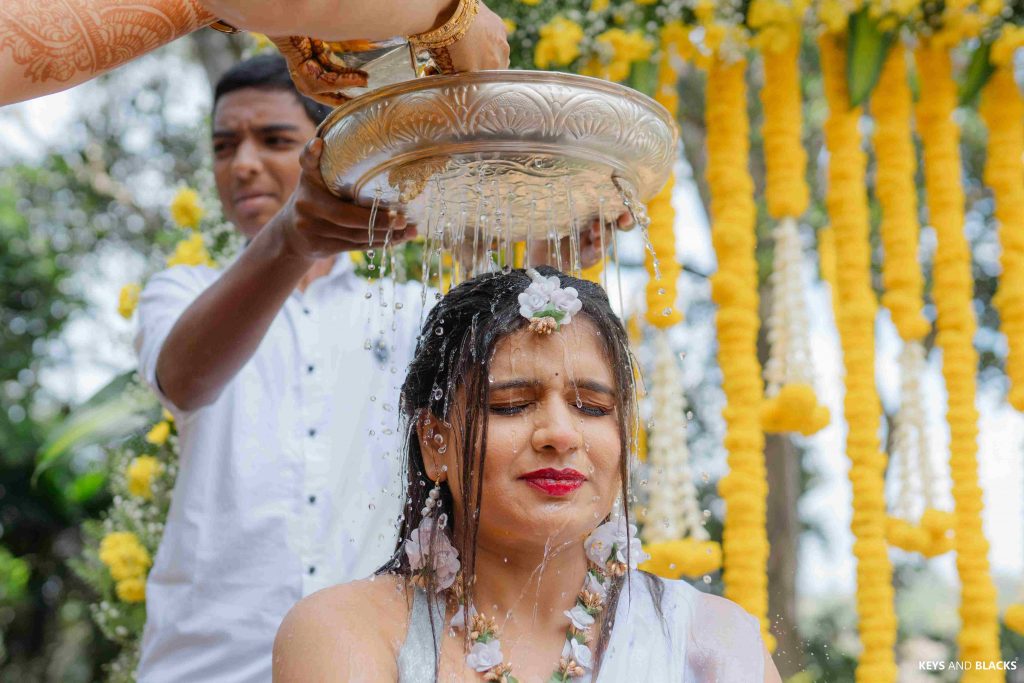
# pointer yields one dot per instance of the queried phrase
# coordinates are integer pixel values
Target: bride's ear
(435, 445)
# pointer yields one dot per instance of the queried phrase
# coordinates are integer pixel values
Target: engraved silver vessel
(506, 155)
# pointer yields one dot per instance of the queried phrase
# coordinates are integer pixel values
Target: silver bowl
(507, 155)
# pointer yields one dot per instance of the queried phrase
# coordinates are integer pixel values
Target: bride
(516, 564)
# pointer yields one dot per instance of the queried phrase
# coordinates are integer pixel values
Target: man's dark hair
(266, 72)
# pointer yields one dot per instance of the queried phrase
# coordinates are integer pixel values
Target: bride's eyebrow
(515, 384)
(595, 386)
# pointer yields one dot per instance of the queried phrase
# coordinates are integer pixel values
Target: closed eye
(593, 411)
(509, 408)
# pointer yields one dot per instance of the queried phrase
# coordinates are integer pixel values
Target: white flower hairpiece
(547, 305)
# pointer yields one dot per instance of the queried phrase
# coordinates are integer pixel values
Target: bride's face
(553, 453)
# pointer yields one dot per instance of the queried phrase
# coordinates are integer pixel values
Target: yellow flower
(847, 205)
(190, 252)
(683, 557)
(559, 43)
(626, 46)
(1014, 618)
(897, 194)
(124, 555)
(128, 300)
(530, 2)
(141, 472)
(794, 409)
(952, 288)
(159, 433)
(510, 26)
(131, 590)
(734, 290)
(1010, 38)
(166, 414)
(186, 210)
(1002, 108)
(598, 5)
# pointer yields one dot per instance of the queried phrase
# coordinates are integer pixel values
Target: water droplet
(373, 398)
(438, 330)
(706, 514)
(399, 305)
(372, 506)
(667, 312)
(368, 295)
(367, 345)
(661, 291)
(438, 439)
(707, 578)
(444, 468)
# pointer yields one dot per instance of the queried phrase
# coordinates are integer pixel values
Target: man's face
(257, 138)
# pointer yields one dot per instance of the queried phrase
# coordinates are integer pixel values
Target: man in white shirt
(288, 475)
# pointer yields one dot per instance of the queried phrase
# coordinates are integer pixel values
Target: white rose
(568, 301)
(593, 585)
(580, 617)
(581, 653)
(483, 656)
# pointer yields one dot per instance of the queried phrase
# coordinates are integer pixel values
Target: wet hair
(455, 349)
(267, 72)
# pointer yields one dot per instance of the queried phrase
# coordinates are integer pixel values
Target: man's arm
(220, 331)
(46, 47)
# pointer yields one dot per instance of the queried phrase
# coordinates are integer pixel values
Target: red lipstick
(555, 482)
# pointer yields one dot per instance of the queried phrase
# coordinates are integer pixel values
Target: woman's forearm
(46, 47)
(334, 19)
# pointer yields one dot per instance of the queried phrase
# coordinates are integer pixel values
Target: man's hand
(485, 45)
(590, 245)
(316, 224)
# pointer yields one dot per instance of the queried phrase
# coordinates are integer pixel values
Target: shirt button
(312, 500)
(312, 433)
(312, 570)
(309, 369)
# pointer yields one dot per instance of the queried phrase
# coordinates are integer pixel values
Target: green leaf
(643, 76)
(86, 486)
(979, 70)
(113, 412)
(866, 49)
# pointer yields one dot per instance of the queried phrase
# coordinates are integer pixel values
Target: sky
(98, 346)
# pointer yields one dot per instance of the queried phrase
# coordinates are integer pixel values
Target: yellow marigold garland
(792, 405)
(897, 193)
(848, 212)
(1014, 618)
(661, 294)
(734, 290)
(1003, 110)
(953, 289)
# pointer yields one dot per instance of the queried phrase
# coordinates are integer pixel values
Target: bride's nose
(556, 429)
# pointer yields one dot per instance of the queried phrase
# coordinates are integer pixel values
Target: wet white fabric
(288, 483)
(697, 638)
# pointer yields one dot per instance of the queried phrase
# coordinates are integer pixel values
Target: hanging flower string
(927, 531)
(953, 291)
(673, 532)
(791, 403)
(662, 294)
(848, 212)
(734, 290)
(1003, 110)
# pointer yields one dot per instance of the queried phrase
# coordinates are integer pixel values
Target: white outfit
(696, 638)
(288, 483)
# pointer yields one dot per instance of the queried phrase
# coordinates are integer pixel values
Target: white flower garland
(673, 509)
(789, 360)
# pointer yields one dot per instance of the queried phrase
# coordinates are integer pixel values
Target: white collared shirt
(288, 483)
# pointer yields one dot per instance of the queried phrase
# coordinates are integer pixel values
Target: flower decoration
(128, 299)
(141, 473)
(159, 434)
(544, 298)
(430, 552)
(186, 209)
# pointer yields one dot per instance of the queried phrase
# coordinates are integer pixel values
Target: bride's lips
(555, 482)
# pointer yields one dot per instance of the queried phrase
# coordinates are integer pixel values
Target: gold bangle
(224, 27)
(450, 31)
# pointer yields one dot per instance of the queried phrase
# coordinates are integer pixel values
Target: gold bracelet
(224, 27)
(450, 32)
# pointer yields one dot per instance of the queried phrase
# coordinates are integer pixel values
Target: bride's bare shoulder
(348, 632)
